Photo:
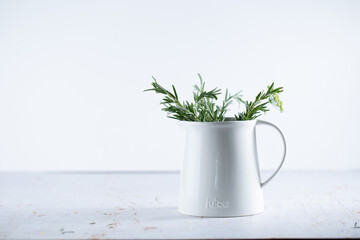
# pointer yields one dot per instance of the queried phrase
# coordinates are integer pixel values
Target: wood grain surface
(144, 206)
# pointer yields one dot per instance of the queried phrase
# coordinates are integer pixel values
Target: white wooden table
(144, 206)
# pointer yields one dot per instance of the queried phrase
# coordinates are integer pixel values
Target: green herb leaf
(204, 109)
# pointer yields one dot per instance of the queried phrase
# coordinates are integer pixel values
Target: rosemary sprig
(255, 108)
(202, 109)
(172, 104)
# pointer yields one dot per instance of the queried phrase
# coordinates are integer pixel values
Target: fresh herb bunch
(204, 109)
(259, 106)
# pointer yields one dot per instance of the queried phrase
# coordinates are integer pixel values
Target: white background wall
(72, 75)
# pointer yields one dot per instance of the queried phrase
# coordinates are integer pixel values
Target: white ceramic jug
(220, 176)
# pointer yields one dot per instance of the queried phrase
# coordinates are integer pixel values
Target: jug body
(220, 174)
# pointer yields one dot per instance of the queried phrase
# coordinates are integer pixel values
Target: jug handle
(261, 122)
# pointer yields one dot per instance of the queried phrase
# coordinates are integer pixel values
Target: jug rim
(228, 122)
